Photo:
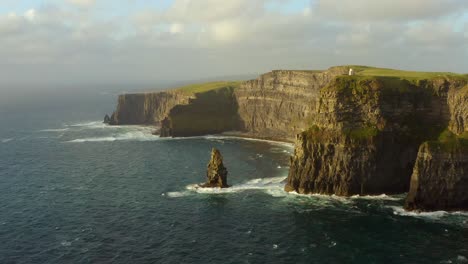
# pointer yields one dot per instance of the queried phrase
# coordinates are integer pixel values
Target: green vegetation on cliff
(205, 87)
(449, 141)
(412, 75)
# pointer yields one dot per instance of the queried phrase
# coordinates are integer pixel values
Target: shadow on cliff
(209, 112)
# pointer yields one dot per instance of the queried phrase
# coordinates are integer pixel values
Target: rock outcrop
(165, 130)
(440, 178)
(107, 119)
(216, 173)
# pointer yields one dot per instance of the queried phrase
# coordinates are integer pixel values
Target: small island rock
(107, 119)
(216, 173)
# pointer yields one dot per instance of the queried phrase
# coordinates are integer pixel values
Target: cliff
(146, 108)
(366, 132)
(279, 104)
(440, 178)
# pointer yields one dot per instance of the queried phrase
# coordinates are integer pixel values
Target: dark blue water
(75, 191)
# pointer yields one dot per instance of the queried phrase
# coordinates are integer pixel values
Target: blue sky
(109, 40)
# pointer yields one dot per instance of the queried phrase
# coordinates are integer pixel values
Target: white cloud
(176, 28)
(82, 3)
(30, 14)
(198, 37)
(371, 10)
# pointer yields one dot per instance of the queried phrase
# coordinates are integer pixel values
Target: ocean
(73, 190)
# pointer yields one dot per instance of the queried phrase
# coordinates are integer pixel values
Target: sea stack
(216, 173)
(107, 119)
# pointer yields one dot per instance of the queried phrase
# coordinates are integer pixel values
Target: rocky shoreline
(354, 135)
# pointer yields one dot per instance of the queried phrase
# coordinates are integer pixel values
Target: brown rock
(216, 173)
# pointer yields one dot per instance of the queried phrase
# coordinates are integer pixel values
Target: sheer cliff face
(440, 179)
(440, 176)
(146, 108)
(458, 103)
(279, 104)
(366, 134)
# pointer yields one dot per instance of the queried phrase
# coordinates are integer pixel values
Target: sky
(110, 41)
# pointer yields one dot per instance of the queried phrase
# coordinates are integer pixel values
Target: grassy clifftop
(409, 75)
(205, 87)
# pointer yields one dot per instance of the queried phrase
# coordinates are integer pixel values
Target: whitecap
(55, 130)
(280, 143)
(5, 140)
(177, 194)
(435, 215)
(66, 243)
(127, 136)
(378, 197)
(269, 185)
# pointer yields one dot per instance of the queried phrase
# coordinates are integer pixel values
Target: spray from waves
(280, 143)
(379, 197)
(266, 184)
(55, 130)
(436, 215)
(127, 136)
(6, 140)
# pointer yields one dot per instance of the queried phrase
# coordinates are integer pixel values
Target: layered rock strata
(366, 135)
(440, 178)
(146, 108)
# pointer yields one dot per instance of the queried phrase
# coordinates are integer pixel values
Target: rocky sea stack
(107, 119)
(216, 173)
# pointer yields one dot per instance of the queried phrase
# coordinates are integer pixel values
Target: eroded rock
(216, 173)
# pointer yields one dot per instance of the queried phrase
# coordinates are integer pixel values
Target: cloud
(191, 39)
(82, 3)
(371, 10)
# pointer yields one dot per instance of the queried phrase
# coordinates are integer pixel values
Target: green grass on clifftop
(205, 87)
(414, 75)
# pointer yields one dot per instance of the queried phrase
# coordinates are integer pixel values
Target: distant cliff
(280, 104)
(146, 108)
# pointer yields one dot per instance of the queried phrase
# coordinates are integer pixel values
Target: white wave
(177, 194)
(88, 124)
(267, 184)
(55, 130)
(399, 210)
(377, 197)
(5, 140)
(128, 136)
(255, 184)
(322, 196)
(285, 144)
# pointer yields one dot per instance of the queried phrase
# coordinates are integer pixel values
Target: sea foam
(399, 210)
(5, 140)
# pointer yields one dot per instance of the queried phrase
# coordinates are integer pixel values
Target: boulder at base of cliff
(216, 173)
(440, 179)
(107, 119)
(166, 129)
